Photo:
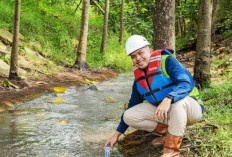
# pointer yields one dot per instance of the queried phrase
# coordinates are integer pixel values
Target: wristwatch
(170, 97)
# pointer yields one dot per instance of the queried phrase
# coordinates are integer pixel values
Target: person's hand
(161, 112)
(112, 141)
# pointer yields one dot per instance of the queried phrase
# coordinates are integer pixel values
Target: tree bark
(121, 22)
(164, 24)
(105, 29)
(82, 46)
(214, 15)
(13, 74)
(202, 58)
(99, 7)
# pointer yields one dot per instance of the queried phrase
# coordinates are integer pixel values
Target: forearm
(117, 134)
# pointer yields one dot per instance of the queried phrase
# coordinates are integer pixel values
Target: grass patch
(212, 136)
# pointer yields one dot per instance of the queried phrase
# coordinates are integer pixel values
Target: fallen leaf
(7, 83)
(90, 82)
(110, 99)
(125, 106)
(59, 89)
(62, 122)
(57, 100)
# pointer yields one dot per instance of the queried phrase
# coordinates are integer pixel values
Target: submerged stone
(93, 87)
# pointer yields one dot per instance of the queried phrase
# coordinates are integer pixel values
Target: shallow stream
(79, 126)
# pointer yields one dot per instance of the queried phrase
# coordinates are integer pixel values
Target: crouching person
(170, 94)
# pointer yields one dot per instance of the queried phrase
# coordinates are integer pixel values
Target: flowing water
(79, 126)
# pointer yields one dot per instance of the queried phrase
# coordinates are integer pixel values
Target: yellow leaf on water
(57, 100)
(62, 122)
(40, 115)
(59, 89)
(90, 82)
(125, 106)
(110, 99)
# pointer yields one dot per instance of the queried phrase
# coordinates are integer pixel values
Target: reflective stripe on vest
(155, 84)
(194, 93)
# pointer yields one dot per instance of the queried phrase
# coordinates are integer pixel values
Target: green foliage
(181, 42)
(212, 136)
(115, 56)
(224, 11)
(214, 130)
(54, 24)
(138, 18)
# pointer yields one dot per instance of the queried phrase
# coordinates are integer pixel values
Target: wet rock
(93, 87)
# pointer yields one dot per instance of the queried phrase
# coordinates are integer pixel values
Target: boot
(172, 145)
(160, 129)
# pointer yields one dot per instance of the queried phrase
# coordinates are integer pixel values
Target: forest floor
(33, 87)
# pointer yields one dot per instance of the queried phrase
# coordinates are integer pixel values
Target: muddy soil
(31, 88)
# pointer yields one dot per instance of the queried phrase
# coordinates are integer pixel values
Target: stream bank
(33, 87)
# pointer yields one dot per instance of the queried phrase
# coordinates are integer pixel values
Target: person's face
(141, 57)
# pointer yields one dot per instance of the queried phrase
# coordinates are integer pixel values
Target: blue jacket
(181, 89)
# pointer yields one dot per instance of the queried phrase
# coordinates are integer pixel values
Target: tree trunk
(214, 15)
(164, 24)
(121, 22)
(13, 74)
(82, 46)
(105, 29)
(202, 58)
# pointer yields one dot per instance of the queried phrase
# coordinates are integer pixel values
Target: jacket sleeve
(178, 74)
(134, 100)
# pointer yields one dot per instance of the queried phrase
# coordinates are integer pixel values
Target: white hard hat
(135, 42)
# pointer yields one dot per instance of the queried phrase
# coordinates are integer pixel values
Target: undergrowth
(212, 135)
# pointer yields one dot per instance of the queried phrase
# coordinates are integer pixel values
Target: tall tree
(121, 22)
(80, 62)
(105, 29)
(164, 24)
(13, 74)
(202, 58)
